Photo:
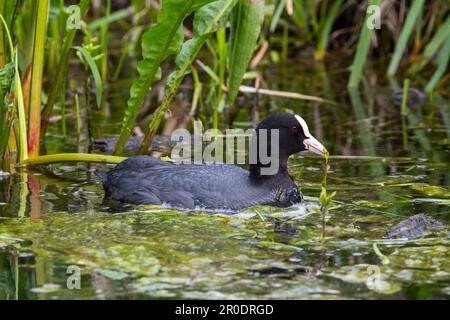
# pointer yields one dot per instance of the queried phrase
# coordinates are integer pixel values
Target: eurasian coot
(147, 180)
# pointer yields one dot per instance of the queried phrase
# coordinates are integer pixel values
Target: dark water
(384, 169)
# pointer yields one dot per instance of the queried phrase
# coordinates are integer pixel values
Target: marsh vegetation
(375, 92)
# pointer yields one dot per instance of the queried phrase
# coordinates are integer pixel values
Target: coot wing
(147, 180)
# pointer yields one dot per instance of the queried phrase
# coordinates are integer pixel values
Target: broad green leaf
(246, 22)
(208, 19)
(158, 42)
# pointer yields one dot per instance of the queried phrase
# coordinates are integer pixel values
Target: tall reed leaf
(361, 51)
(432, 47)
(95, 73)
(208, 19)
(158, 42)
(246, 22)
(407, 29)
(326, 30)
(7, 10)
(7, 75)
(23, 143)
(444, 56)
(34, 120)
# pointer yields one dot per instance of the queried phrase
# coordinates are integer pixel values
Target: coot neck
(273, 164)
(257, 170)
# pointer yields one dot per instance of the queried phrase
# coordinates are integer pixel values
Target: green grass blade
(432, 47)
(210, 72)
(361, 51)
(326, 30)
(7, 10)
(123, 55)
(444, 56)
(113, 17)
(246, 22)
(411, 20)
(95, 73)
(300, 18)
(277, 15)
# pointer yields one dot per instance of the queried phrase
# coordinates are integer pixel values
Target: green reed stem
(72, 157)
(77, 113)
(405, 97)
(325, 199)
(361, 51)
(104, 36)
(63, 106)
(2, 37)
(23, 143)
(34, 120)
(121, 60)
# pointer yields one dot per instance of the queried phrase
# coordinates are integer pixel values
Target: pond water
(384, 169)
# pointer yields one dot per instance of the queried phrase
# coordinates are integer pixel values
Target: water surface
(383, 168)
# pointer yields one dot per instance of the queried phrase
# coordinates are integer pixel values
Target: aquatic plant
(166, 39)
(325, 198)
(207, 20)
(225, 36)
(62, 65)
(37, 69)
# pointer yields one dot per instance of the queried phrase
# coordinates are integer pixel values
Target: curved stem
(72, 157)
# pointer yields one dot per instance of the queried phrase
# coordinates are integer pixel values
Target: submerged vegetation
(371, 77)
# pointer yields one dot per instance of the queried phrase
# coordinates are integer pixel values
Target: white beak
(314, 146)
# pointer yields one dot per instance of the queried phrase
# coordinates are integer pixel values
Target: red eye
(294, 131)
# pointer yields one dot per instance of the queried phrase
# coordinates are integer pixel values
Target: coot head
(293, 136)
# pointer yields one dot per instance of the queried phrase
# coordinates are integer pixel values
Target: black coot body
(147, 180)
